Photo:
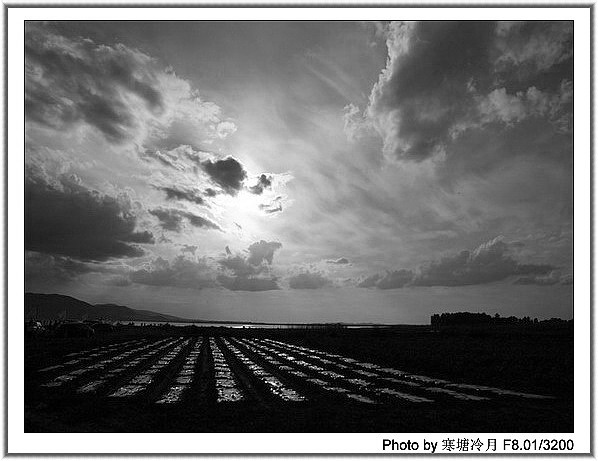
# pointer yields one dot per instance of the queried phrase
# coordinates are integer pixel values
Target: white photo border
(17, 441)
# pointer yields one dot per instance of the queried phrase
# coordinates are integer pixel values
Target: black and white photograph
(300, 226)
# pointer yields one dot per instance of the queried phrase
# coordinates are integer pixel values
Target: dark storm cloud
(251, 272)
(173, 193)
(490, 262)
(264, 182)
(180, 273)
(228, 174)
(338, 261)
(308, 280)
(172, 219)
(67, 219)
(443, 78)
(73, 80)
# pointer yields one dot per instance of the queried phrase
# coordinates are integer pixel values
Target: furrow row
(227, 370)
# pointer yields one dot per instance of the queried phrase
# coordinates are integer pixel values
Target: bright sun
(242, 214)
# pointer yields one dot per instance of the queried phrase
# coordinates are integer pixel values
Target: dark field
(403, 379)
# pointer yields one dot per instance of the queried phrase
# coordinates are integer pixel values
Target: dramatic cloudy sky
(303, 172)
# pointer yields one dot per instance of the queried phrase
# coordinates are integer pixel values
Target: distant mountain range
(40, 306)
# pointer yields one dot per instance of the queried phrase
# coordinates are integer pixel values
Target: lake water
(210, 324)
(246, 325)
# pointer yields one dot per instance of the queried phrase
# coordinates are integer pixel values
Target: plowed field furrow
(372, 378)
(183, 380)
(75, 355)
(91, 355)
(369, 383)
(241, 371)
(326, 380)
(226, 383)
(113, 361)
(141, 382)
(273, 385)
(363, 369)
(400, 378)
(309, 376)
(278, 368)
(337, 382)
(121, 369)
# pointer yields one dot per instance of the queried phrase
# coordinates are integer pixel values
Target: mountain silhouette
(40, 306)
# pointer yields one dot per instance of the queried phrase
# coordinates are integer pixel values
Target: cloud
(507, 108)
(67, 219)
(189, 249)
(392, 279)
(308, 280)
(370, 281)
(172, 219)
(74, 80)
(355, 124)
(239, 266)
(169, 219)
(418, 97)
(174, 193)
(260, 257)
(181, 272)
(269, 186)
(528, 48)
(443, 78)
(273, 207)
(248, 283)
(43, 268)
(262, 251)
(470, 145)
(490, 262)
(166, 158)
(228, 174)
(338, 261)
(263, 182)
(199, 221)
(118, 91)
(552, 278)
(251, 272)
(395, 279)
(223, 129)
